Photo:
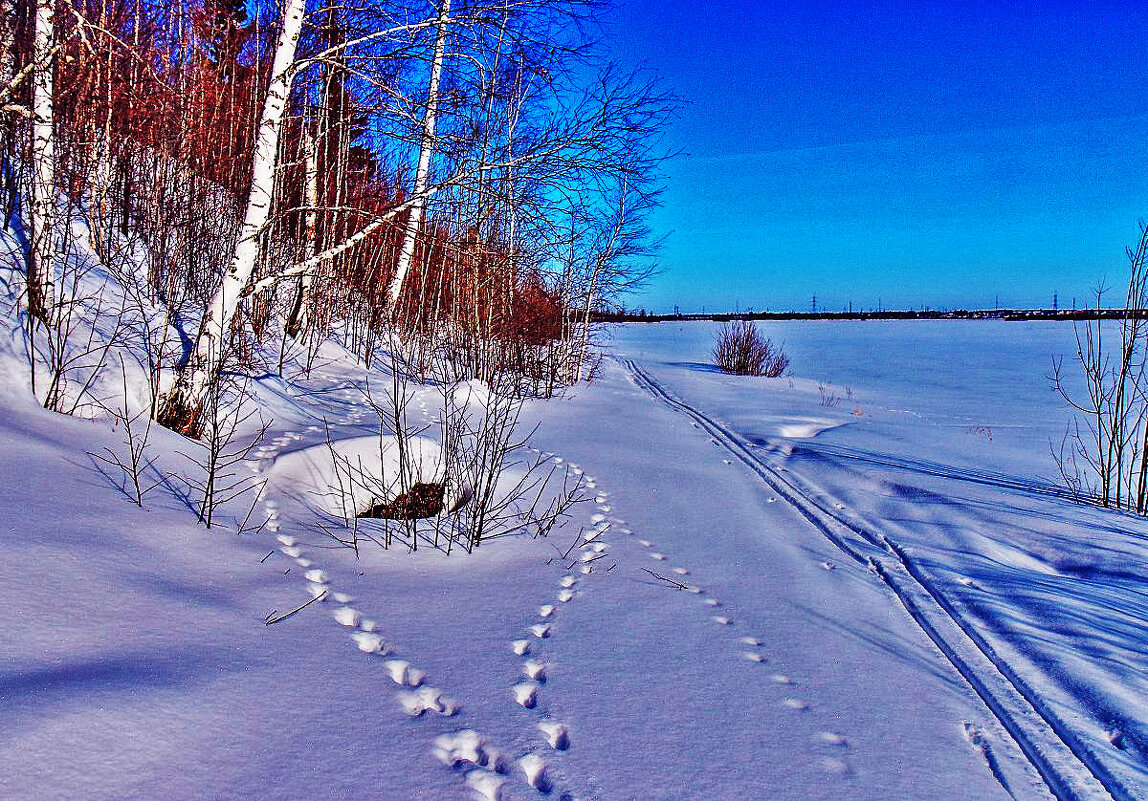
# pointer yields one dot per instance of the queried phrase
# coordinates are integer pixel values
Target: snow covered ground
(765, 596)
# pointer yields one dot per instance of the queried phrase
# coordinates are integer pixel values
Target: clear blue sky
(913, 152)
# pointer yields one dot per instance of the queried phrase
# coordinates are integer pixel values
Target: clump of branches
(1103, 455)
(460, 480)
(740, 349)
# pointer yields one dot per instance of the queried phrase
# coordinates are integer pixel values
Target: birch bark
(422, 173)
(40, 271)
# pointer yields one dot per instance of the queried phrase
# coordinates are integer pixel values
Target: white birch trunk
(298, 319)
(40, 274)
(422, 173)
(190, 390)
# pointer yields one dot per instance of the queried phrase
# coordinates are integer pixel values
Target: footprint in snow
(835, 766)
(556, 734)
(660, 557)
(712, 602)
(754, 656)
(540, 630)
(487, 786)
(781, 679)
(294, 551)
(722, 620)
(403, 673)
(832, 738)
(565, 596)
(303, 562)
(369, 642)
(796, 704)
(427, 699)
(567, 582)
(546, 611)
(346, 616)
(520, 647)
(463, 746)
(534, 670)
(645, 543)
(534, 771)
(525, 694)
(754, 641)
(681, 571)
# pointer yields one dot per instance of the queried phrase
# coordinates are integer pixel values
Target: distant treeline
(955, 314)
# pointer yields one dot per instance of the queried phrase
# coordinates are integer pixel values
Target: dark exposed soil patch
(421, 500)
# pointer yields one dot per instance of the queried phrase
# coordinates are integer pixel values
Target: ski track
(1065, 763)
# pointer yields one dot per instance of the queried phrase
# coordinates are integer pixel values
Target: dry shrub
(740, 349)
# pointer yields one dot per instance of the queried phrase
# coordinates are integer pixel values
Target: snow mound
(347, 477)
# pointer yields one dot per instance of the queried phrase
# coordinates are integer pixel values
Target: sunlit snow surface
(692, 633)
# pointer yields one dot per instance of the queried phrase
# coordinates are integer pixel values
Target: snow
(855, 583)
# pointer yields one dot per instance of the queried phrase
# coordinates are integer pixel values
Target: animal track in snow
(565, 596)
(660, 557)
(526, 694)
(486, 785)
(556, 734)
(534, 770)
(835, 766)
(540, 630)
(427, 699)
(534, 670)
(346, 616)
(462, 746)
(750, 641)
(403, 674)
(645, 543)
(369, 642)
(722, 620)
(711, 602)
(796, 704)
(832, 738)
(681, 571)
(778, 678)
(567, 582)
(520, 647)
(754, 656)
(546, 610)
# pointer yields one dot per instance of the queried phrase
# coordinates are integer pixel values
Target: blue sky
(941, 154)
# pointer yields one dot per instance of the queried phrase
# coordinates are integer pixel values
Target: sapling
(137, 462)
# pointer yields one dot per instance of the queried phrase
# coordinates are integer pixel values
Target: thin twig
(319, 597)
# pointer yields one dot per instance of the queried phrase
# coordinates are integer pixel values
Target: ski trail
(1065, 764)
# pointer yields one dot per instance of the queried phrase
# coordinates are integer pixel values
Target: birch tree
(422, 172)
(181, 407)
(43, 158)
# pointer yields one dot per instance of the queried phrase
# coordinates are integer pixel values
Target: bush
(740, 349)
